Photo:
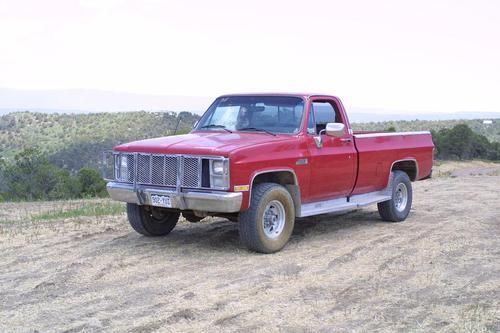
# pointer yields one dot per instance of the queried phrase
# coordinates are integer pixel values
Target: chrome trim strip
(375, 135)
(136, 171)
(200, 172)
(345, 203)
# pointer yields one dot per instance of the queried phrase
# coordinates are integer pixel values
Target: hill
(74, 141)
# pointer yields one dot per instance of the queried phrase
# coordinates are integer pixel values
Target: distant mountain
(89, 101)
(83, 101)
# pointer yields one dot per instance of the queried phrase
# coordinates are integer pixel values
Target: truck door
(333, 165)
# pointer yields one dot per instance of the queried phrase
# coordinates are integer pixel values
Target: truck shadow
(331, 223)
(222, 235)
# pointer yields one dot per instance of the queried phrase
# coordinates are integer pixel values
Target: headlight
(121, 167)
(219, 174)
(218, 167)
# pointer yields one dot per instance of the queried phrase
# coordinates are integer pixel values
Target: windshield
(271, 114)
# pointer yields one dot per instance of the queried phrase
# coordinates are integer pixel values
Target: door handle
(345, 140)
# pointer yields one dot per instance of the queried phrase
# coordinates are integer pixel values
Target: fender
(409, 159)
(245, 205)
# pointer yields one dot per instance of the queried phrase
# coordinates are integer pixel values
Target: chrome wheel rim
(274, 219)
(401, 197)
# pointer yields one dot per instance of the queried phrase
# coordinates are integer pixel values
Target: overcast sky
(425, 55)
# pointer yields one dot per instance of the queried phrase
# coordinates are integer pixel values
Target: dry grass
(465, 168)
(437, 272)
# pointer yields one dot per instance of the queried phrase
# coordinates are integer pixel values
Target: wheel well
(278, 177)
(408, 166)
(284, 178)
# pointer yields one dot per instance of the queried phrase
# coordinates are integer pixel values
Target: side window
(324, 112)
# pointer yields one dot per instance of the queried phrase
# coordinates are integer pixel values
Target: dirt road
(437, 272)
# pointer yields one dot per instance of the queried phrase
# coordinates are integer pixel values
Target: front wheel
(398, 208)
(266, 226)
(151, 221)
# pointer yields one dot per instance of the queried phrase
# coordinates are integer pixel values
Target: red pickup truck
(263, 160)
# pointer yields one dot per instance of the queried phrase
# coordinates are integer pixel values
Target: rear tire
(398, 208)
(266, 226)
(151, 221)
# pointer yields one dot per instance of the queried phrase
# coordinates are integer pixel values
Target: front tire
(266, 226)
(398, 208)
(151, 221)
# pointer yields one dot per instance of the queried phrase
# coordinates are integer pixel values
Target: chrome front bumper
(215, 202)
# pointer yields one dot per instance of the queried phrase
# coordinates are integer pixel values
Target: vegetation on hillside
(462, 143)
(31, 176)
(490, 131)
(74, 141)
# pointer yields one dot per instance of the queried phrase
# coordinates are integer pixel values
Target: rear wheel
(151, 221)
(398, 208)
(268, 223)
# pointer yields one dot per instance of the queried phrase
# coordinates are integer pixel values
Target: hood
(201, 143)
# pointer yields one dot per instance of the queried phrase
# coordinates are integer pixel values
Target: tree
(91, 183)
(460, 142)
(31, 176)
(66, 187)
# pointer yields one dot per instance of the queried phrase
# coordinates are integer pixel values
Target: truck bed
(379, 151)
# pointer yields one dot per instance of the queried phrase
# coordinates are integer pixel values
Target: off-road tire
(151, 221)
(392, 210)
(267, 197)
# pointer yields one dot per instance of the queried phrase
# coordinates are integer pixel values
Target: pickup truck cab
(263, 160)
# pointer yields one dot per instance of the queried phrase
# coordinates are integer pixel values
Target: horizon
(413, 57)
(78, 101)
(65, 99)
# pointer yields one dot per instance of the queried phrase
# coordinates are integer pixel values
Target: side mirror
(335, 129)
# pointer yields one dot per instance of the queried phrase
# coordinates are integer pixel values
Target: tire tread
(141, 222)
(249, 235)
(386, 209)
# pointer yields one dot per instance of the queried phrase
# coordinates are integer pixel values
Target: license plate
(161, 201)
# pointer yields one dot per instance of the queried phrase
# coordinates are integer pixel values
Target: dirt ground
(439, 271)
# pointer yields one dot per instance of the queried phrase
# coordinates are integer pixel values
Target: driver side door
(333, 165)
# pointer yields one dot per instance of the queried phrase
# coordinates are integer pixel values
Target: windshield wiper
(217, 126)
(256, 129)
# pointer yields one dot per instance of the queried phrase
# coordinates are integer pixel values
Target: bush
(91, 183)
(461, 143)
(31, 176)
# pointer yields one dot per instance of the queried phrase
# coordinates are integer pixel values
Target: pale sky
(422, 55)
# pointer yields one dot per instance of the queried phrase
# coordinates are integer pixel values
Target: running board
(343, 204)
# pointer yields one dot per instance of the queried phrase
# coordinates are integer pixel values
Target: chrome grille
(170, 170)
(144, 169)
(191, 167)
(161, 170)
